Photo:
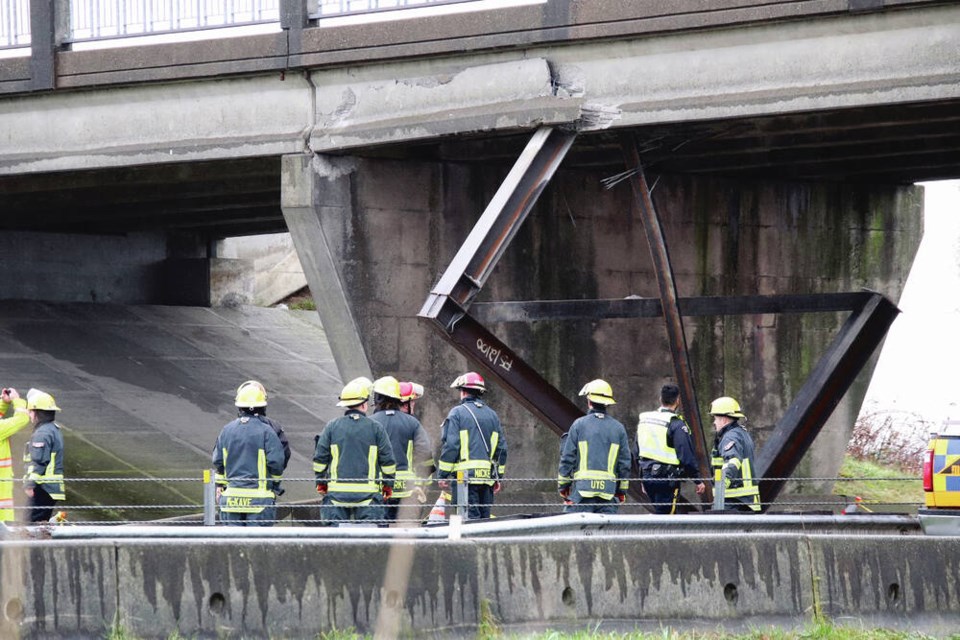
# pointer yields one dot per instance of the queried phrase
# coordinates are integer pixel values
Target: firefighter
(411, 444)
(248, 461)
(410, 392)
(9, 398)
(43, 480)
(473, 443)
(733, 456)
(595, 462)
(260, 410)
(353, 462)
(665, 453)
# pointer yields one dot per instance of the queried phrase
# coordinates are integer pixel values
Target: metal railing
(92, 20)
(14, 23)
(100, 19)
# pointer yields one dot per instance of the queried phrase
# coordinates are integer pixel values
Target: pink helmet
(410, 391)
(470, 380)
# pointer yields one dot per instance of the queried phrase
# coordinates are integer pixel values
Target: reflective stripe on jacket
(595, 458)
(652, 431)
(354, 456)
(248, 460)
(473, 442)
(44, 460)
(733, 458)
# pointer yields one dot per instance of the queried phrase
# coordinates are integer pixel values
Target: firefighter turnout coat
(733, 457)
(247, 460)
(473, 442)
(44, 461)
(595, 458)
(9, 427)
(411, 449)
(355, 458)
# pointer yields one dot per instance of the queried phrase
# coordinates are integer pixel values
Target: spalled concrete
(298, 588)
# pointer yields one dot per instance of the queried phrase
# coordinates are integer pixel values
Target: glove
(565, 492)
(387, 491)
(322, 488)
(444, 484)
(620, 496)
(496, 487)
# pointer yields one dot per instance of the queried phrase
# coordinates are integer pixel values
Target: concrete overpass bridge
(781, 141)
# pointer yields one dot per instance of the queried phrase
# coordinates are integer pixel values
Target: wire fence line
(92, 20)
(430, 510)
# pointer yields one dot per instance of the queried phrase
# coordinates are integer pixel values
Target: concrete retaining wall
(298, 588)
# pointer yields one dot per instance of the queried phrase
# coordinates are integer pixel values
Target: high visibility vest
(652, 437)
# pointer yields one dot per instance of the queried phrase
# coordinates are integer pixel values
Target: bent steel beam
(446, 306)
(860, 335)
(668, 303)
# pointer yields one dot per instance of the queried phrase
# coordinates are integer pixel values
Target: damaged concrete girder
(157, 124)
(407, 103)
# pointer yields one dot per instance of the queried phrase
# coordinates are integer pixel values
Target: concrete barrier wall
(298, 588)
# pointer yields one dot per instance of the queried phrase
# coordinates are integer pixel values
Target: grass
(879, 492)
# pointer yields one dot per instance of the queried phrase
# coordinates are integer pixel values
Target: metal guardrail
(92, 20)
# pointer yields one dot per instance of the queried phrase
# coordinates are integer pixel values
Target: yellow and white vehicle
(941, 482)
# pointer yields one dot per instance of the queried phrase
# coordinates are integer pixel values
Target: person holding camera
(9, 399)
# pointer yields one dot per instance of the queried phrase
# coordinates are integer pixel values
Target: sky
(918, 372)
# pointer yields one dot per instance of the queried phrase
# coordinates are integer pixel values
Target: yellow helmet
(251, 394)
(726, 406)
(387, 386)
(357, 391)
(41, 400)
(598, 391)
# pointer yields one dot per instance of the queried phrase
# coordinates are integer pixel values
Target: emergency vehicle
(941, 482)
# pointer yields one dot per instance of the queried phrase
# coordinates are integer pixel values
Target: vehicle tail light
(928, 471)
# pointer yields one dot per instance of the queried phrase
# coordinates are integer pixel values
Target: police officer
(411, 444)
(595, 462)
(353, 461)
(473, 442)
(43, 481)
(248, 461)
(664, 450)
(733, 456)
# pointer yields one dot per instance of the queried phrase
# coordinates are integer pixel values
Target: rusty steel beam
(846, 356)
(636, 307)
(668, 302)
(479, 253)
(498, 361)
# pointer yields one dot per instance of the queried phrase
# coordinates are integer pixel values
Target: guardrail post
(719, 489)
(209, 499)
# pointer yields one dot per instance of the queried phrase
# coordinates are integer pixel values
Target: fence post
(209, 499)
(719, 489)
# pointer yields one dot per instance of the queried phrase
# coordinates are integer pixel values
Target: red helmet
(410, 391)
(469, 380)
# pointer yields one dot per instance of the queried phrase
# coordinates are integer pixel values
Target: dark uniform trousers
(479, 500)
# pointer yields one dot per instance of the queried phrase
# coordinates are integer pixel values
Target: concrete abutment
(299, 588)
